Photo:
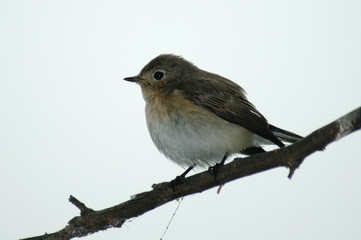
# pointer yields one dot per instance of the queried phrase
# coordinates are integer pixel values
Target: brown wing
(227, 100)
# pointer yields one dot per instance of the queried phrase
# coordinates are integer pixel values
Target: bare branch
(291, 157)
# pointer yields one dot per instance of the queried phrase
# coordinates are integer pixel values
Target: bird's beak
(132, 79)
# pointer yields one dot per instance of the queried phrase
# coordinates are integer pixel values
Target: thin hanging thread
(166, 229)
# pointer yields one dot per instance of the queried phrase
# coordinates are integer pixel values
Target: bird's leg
(223, 160)
(179, 179)
(214, 169)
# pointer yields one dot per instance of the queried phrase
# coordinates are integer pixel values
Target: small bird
(198, 118)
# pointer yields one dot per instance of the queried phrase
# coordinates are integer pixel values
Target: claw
(214, 169)
(179, 179)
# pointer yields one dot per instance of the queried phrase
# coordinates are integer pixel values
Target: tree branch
(291, 157)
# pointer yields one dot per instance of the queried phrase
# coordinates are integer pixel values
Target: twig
(84, 210)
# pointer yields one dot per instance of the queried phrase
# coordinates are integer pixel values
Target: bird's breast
(188, 134)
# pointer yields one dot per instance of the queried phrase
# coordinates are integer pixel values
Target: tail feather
(284, 135)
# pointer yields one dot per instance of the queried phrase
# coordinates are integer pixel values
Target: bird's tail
(284, 135)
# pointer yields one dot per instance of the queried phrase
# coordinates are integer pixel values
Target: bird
(198, 118)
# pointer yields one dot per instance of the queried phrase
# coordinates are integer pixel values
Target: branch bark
(292, 156)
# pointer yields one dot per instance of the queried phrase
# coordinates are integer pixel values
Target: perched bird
(198, 118)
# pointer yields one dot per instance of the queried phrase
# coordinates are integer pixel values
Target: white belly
(189, 138)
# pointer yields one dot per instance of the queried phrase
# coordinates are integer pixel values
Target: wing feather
(228, 101)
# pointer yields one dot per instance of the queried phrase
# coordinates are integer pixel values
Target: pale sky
(69, 124)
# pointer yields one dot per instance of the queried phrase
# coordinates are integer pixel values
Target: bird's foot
(179, 179)
(214, 169)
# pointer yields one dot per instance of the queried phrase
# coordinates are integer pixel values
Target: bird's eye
(158, 75)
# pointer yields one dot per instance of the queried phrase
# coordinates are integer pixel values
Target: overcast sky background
(69, 124)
